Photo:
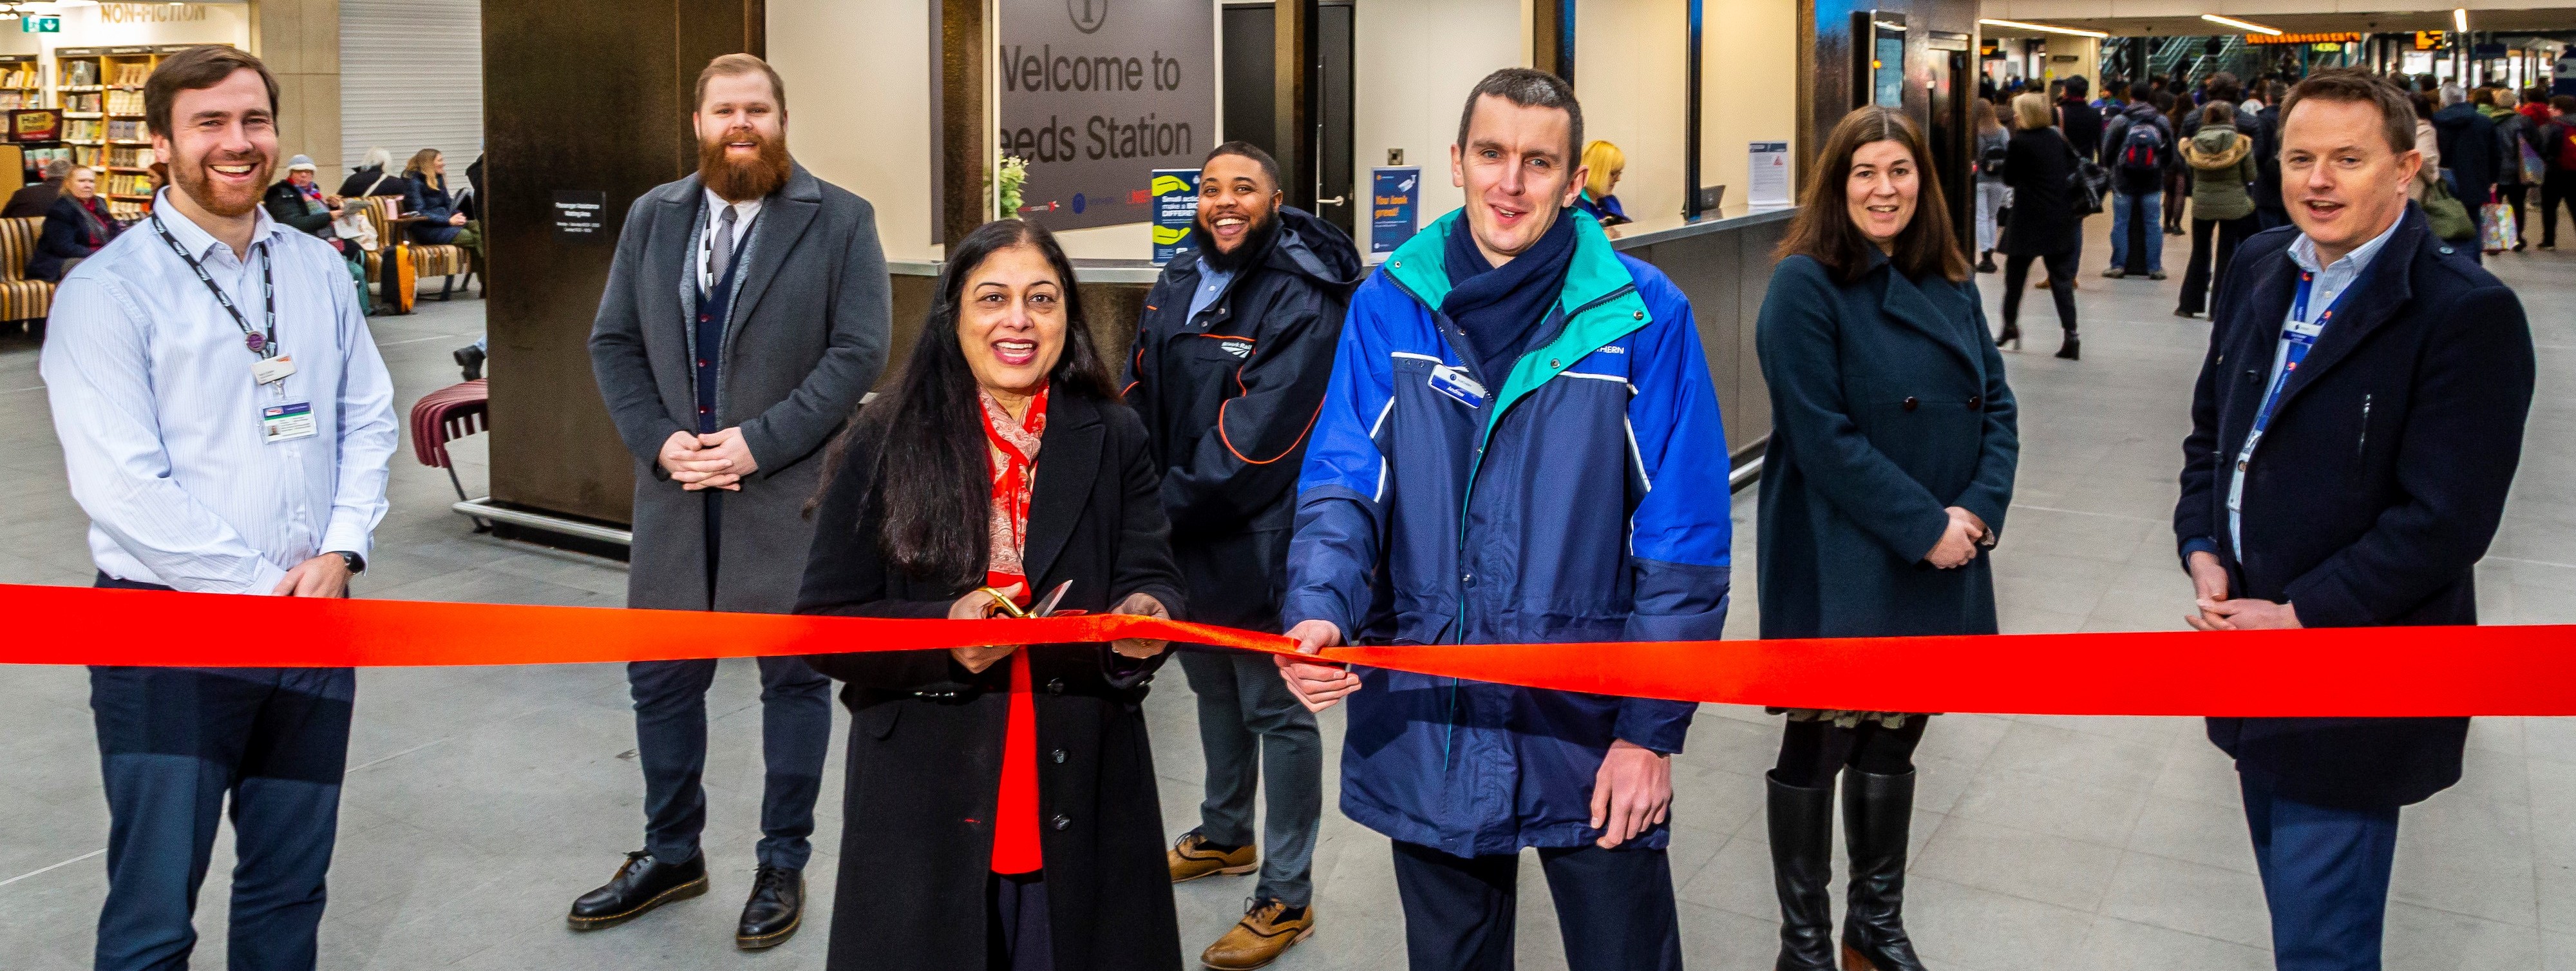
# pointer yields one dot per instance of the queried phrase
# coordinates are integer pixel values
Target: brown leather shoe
(1264, 933)
(1194, 857)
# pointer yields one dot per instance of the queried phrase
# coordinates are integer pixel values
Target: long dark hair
(933, 493)
(1823, 231)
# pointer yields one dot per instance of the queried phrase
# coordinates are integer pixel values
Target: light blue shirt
(2331, 280)
(1211, 284)
(159, 415)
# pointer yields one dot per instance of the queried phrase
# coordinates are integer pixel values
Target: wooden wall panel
(578, 95)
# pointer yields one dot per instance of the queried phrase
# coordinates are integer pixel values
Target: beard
(742, 181)
(1255, 244)
(222, 200)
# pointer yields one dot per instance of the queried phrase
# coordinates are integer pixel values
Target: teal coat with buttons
(1888, 405)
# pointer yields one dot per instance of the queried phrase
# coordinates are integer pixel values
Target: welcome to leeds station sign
(1096, 95)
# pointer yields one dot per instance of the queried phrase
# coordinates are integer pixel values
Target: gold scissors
(1043, 608)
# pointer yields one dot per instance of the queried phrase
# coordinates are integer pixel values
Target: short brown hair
(737, 65)
(2351, 85)
(197, 69)
(1823, 231)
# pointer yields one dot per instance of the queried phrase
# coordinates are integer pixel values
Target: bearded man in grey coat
(746, 313)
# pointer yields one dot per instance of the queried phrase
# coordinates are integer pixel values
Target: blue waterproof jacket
(1583, 497)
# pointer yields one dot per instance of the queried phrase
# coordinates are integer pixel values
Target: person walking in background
(1231, 357)
(1992, 141)
(1518, 415)
(988, 823)
(2428, 146)
(228, 427)
(77, 226)
(1871, 519)
(2177, 175)
(2556, 143)
(746, 312)
(38, 199)
(2468, 145)
(2355, 430)
(2039, 164)
(2513, 133)
(2259, 118)
(2137, 146)
(1606, 163)
(2222, 165)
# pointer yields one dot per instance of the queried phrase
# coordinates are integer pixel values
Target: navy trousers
(173, 744)
(671, 742)
(2325, 877)
(1613, 907)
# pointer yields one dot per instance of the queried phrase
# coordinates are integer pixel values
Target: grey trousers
(1251, 727)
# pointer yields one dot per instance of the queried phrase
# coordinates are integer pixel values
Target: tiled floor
(480, 801)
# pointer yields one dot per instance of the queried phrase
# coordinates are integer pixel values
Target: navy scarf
(1500, 309)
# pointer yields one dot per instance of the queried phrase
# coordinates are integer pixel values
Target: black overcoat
(2376, 488)
(926, 735)
(1888, 405)
(2037, 164)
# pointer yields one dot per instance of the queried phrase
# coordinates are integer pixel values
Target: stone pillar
(300, 40)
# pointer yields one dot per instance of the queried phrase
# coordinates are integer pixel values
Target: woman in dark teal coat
(1889, 470)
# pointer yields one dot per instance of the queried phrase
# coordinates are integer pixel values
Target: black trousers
(2061, 285)
(1017, 932)
(2204, 277)
(1613, 907)
(2515, 195)
(2559, 187)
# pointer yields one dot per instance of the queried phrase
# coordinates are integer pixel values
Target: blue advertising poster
(1176, 209)
(1395, 206)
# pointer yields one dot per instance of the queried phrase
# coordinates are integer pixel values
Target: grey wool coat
(809, 326)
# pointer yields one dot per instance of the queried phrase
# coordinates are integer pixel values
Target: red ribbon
(2375, 671)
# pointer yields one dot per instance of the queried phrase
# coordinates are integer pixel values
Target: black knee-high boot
(1802, 865)
(1876, 811)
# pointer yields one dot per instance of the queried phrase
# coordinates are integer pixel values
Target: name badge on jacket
(1456, 384)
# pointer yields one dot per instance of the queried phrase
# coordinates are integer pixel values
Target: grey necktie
(723, 244)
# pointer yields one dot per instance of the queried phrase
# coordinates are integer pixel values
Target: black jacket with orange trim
(1228, 399)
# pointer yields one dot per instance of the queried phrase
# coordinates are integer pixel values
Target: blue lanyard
(2302, 336)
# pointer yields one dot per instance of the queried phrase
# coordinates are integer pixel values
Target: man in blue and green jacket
(1519, 444)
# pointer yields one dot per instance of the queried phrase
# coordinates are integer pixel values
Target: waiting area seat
(427, 259)
(22, 299)
(443, 416)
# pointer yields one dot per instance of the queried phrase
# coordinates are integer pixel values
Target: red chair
(443, 416)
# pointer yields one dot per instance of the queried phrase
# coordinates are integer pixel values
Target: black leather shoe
(641, 884)
(776, 906)
(469, 359)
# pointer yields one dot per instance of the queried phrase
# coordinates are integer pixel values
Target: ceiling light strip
(2246, 26)
(2044, 28)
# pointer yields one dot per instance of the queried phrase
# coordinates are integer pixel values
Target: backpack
(2141, 150)
(2565, 146)
(1991, 164)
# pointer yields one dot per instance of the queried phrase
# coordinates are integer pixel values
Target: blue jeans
(2141, 211)
(173, 743)
(671, 742)
(2325, 877)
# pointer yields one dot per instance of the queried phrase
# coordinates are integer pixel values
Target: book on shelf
(126, 131)
(124, 102)
(129, 158)
(77, 74)
(89, 102)
(20, 76)
(133, 76)
(13, 99)
(125, 211)
(83, 129)
(129, 184)
(87, 155)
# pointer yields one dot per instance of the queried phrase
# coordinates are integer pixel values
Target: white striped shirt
(159, 416)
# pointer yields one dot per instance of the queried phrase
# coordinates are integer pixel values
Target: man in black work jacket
(1232, 355)
(2404, 373)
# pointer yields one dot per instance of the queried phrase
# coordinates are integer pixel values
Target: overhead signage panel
(1096, 95)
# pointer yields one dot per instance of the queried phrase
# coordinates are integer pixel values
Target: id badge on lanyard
(2299, 335)
(280, 420)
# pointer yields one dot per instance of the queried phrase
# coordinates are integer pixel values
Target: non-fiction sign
(579, 216)
(1176, 210)
(1395, 206)
(1091, 92)
(1767, 174)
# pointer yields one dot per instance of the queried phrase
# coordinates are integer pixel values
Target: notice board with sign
(1094, 93)
(579, 216)
(1395, 206)
(1176, 212)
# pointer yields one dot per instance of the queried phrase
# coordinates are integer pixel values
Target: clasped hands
(2220, 612)
(1959, 540)
(980, 605)
(717, 460)
(1631, 794)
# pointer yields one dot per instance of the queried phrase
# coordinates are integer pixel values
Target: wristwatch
(357, 564)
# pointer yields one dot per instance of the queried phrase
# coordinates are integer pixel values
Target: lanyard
(262, 343)
(2302, 336)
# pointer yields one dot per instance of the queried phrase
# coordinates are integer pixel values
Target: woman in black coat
(1000, 809)
(1889, 470)
(75, 227)
(2039, 164)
